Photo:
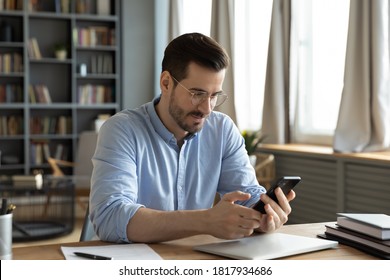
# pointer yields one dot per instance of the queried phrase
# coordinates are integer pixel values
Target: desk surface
(182, 249)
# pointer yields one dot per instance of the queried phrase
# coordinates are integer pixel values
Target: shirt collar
(159, 126)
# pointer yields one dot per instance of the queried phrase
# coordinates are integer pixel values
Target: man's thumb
(236, 196)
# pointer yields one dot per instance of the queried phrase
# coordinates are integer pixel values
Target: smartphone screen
(286, 183)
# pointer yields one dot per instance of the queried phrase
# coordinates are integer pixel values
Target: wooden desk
(182, 249)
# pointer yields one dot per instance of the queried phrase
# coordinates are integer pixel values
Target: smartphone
(286, 183)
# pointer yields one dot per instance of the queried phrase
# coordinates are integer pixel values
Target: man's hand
(276, 214)
(229, 220)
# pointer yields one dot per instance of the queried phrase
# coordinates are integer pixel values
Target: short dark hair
(197, 48)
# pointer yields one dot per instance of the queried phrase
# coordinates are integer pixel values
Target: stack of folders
(367, 232)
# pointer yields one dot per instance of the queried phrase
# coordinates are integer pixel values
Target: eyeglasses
(198, 96)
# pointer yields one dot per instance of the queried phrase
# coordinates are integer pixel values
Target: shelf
(50, 15)
(11, 167)
(11, 44)
(12, 105)
(50, 106)
(96, 18)
(11, 137)
(50, 60)
(56, 116)
(97, 77)
(14, 13)
(98, 106)
(51, 136)
(97, 48)
(11, 75)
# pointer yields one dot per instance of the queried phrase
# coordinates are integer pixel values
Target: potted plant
(60, 51)
(252, 141)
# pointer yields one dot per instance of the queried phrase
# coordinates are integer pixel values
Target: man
(157, 168)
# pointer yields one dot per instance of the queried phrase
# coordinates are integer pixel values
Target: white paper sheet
(117, 252)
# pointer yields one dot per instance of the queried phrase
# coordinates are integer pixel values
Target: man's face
(187, 116)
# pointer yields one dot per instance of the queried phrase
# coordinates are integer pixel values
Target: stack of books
(367, 232)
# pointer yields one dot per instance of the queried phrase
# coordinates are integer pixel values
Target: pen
(3, 206)
(91, 256)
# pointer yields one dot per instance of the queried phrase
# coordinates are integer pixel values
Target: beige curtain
(364, 117)
(277, 83)
(175, 21)
(222, 30)
(168, 17)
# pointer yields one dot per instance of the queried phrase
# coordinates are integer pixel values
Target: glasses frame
(196, 100)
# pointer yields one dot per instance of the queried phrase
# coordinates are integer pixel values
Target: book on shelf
(83, 7)
(11, 93)
(375, 225)
(46, 151)
(61, 152)
(33, 49)
(57, 6)
(11, 63)
(41, 151)
(39, 94)
(14, 125)
(65, 6)
(31, 94)
(378, 244)
(16, 63)
(11, 125)
(38, 154)
(103, 7)
(54, 125)
(93, 36)
(3, 125)
(11, 4)
(94, 94)
(63, 125)
(102, 64)
(46, 94)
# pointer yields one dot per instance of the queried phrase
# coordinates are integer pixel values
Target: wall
(138, 47)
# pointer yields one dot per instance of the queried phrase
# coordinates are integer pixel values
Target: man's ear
(164, 81)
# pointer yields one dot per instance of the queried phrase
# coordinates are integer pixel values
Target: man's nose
(206, 106)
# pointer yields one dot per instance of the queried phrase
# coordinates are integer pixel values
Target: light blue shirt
(138, 163)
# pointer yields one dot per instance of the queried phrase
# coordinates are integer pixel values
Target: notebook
(266, 246)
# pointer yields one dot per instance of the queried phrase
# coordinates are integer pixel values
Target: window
(321, 34)
(196, 16)
(252, 29)
(321, 31)
(252, 26)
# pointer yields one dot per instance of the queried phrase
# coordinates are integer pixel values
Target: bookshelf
(48, 98)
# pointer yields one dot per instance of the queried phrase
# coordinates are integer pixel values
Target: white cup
(6, 237)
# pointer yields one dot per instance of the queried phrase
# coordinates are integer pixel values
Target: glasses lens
(198, 98)
(215, 101)
(219, 100)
